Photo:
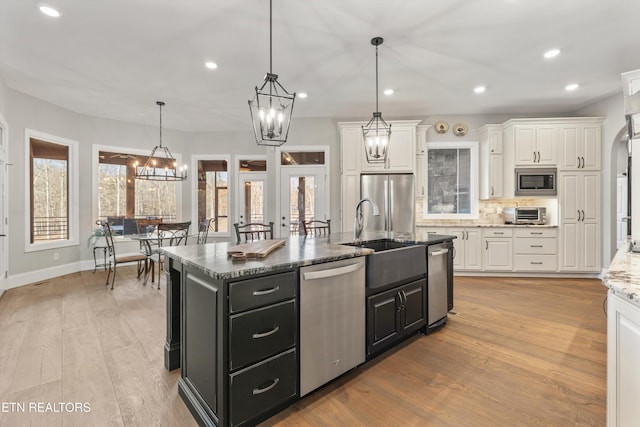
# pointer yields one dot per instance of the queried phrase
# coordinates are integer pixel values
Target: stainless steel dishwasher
(332, 321)
(437, 305)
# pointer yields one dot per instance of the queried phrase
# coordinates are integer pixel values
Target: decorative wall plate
(460, 129)
(441, 126)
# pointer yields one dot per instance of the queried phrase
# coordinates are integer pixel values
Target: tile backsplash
(490, 211)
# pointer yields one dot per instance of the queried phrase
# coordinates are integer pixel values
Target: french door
(4, 143)
(251, 203)
(304, 196)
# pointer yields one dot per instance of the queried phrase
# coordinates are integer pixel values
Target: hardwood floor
(520, 352)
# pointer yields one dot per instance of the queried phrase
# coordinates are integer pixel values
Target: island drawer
(252, 293)
(258, 388)
(259, 333)
(535, 262)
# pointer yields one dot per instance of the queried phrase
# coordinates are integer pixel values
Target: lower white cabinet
(623, 369)
(536, 250)
(466, 246)
(497, 249)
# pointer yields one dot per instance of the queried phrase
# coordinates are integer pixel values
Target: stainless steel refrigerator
(394, 194)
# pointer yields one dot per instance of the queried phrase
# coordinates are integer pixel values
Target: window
(52, 189)
(213, 192)
(121, 195)
(252, 185)
(451, 181)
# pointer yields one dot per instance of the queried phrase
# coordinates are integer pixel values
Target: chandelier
(272, 105)
(377, 132)
(161, 165)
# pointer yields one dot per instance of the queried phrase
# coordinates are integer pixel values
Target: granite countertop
(486, 225)
(623, 276)
(213, 261)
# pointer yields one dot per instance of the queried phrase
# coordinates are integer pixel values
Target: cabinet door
(496, 177)
(473, 253)
(498, 254)
(495, 140)
(383, 320)
(569, 147)
(352, 146)
(590, 224)
(591, 148)
(546, 146)
(458, 247)
(414, 314)
(402, 149)
(525, 144)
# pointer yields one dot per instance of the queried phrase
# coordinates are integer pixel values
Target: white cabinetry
(579, 194)
(623, 369)
(421, 150)
(491, 162)
(580, 145)
(536, 250)
(468, 255)
(497, 245)
(401, 158)
(535, 144)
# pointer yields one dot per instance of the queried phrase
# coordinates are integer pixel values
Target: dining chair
(168, 234)
(316, 228)
(253, 231)
(114, 259)
(203, 230)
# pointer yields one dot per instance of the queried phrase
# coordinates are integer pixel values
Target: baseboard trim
(16, 280)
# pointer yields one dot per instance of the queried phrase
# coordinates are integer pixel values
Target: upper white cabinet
(534, 144)
(492, 176)
(401, 158)
(580, 145)
(421, 150)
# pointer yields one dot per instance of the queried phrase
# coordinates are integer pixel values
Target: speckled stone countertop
(623, 276)
(213, 261)
(485, 226)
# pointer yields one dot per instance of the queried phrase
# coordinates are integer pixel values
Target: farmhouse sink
(393, 262)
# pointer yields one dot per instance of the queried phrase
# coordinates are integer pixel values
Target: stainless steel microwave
(536, 182)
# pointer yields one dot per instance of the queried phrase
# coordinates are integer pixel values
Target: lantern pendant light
(377, 132)
(161, 165)
(272, 105)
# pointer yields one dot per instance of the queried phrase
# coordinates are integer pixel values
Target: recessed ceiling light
(552, 53)
(479, 89)
(211, 65)
(388, 92)
(49, 11)
(572, 86)
(303, 94)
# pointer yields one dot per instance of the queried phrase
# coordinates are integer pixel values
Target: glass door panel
(303, 198)
(251, 200)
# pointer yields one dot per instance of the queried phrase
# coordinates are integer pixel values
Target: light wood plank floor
(520, 352)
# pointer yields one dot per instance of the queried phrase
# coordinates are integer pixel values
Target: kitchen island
(212, 301)
(623, 337)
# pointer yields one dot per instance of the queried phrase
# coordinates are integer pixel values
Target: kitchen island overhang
(206, 300)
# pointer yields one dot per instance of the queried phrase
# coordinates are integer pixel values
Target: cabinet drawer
(536, 246)
(535, 262)
(261, 387)
(260, 333)
(539, 232)
(251, 293)
(497, 232)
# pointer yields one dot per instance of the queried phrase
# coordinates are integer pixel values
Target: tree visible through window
(213, 193)
(121, 195)
(49, 176)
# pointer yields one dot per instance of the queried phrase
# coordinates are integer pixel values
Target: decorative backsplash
(490, 212)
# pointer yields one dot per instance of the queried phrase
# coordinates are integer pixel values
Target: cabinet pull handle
(583, 214)
(534, 157)
(486, 244)
(266, 334)
(538, 157)
(400, 305)
(266, 291)
(536, 262)
(498, 232)
(536, 232)
(267, 388)
(492, 190)
(536, 246)
(582, 162)
(578, 214)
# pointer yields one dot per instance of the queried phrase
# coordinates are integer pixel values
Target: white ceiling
(115, 58)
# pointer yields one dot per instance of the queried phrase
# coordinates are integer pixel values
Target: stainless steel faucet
(358, 224)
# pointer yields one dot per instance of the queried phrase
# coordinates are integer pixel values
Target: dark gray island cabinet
(233, 328)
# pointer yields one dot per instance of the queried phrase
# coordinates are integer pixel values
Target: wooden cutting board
(257, 249)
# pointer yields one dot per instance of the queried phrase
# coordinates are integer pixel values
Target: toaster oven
(525, 215)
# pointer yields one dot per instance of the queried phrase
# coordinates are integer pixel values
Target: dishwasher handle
(332, 272)
(440, 252)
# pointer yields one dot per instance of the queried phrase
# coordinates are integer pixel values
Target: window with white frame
(213, 192)
(451, 180)
(52, 188)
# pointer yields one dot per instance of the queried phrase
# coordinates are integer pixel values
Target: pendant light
(161, 165)
(377, 132)
(272, 105)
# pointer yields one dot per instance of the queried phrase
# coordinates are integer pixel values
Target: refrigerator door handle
(385, 210)
(391, 203)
